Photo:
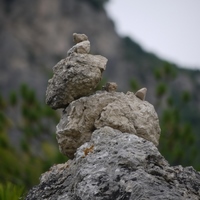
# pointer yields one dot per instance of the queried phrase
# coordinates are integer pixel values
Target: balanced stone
(141, 94)
(75, 76)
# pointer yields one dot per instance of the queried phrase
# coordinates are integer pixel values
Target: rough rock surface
(75, 76)
(82, 44)
(124, 112)
(117, 166)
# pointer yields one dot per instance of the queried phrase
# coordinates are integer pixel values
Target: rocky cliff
(111, 138)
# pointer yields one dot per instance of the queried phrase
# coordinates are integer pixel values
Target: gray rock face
(116, 166)
(124, 112)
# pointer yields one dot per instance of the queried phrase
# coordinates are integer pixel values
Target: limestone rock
(124, 112)
(141, 94)
(75, 76)
(82, 44)
(83, 48)
(79, 37)
(116, 166)
(110, 87)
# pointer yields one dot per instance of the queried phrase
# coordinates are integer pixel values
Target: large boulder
(117, 166)
(124, 112)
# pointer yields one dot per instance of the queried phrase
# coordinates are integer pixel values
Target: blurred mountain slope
(35, 35)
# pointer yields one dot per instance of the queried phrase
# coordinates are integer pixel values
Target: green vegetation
(134, 85)
(11, 192)
(101, 84)
(33, 149)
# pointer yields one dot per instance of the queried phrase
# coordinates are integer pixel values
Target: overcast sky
(168, 28)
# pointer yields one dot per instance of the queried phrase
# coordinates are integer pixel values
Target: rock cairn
(75, 76)
(73, 88)
(112, 138)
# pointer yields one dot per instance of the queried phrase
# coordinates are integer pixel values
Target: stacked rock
(108, 132)
(73, 88)
(75, 76)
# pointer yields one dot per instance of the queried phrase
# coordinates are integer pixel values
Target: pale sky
(168, 28)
